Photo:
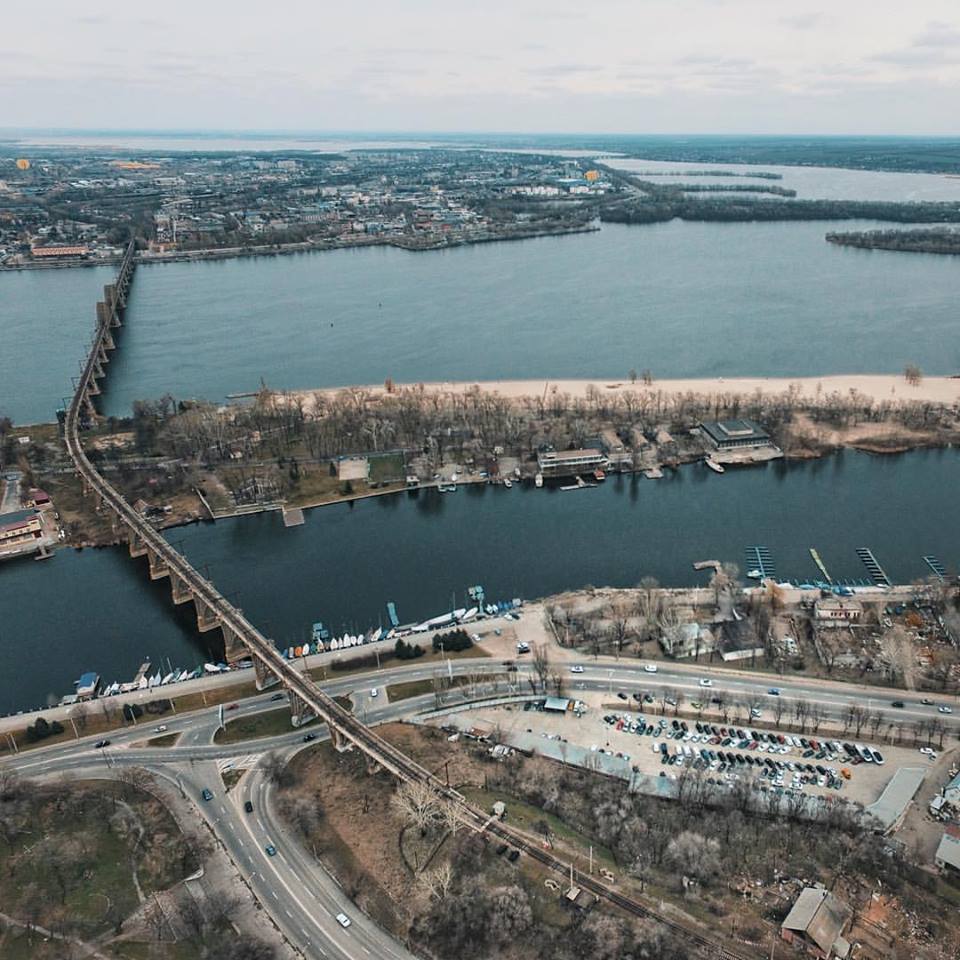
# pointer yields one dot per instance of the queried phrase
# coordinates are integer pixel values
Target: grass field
(270, 723)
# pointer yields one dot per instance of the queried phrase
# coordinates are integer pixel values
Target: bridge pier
(136, 544)
(265, 677)
(300, 711)
(181, 592)
(340, 743)
(233, 646)
(158, 566)
(207, 619)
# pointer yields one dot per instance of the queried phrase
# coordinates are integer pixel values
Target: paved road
(301, 897)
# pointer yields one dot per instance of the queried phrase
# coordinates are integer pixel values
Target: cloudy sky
(644, 66)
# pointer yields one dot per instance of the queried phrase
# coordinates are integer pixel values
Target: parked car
(621, 695)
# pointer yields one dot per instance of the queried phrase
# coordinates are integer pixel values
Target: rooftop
(949, 850)
(820, 916)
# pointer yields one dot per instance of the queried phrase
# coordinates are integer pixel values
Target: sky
(618, 66)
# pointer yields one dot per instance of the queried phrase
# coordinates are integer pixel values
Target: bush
(132, 711)
(41, 730)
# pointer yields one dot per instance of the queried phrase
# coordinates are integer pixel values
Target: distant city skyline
(620, 66)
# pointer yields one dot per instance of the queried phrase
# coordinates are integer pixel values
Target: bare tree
(417, 803)
(438, 881)
(541, 664)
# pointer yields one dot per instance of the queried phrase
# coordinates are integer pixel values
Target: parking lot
(624, 740)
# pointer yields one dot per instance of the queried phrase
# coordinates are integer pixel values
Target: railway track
(324, 706)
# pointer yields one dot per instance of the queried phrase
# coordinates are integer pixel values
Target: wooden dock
(292, 517)
(877, 573)
(820, 565)
(714, 565)
(936, 566)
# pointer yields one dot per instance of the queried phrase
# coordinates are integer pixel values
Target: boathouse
(559, 463)
(734, 434)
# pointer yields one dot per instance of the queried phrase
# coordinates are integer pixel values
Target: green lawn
(270, 723)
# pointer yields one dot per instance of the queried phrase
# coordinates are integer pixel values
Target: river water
(97, 610)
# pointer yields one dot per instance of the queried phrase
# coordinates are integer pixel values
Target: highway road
(297, 892)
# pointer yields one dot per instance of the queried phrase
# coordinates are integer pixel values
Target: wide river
(680, 299)
(97, 609)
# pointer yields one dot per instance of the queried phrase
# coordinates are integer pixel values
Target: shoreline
(410, 244)
(875, 386)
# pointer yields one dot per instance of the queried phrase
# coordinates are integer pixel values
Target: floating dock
(708, 565)
(936, 566)
(760, 563)
(877, 573)
(392, 614)
(821, 566)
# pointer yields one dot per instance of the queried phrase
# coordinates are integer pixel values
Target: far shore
(877, 387)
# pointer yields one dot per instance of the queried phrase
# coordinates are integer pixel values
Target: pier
(760, 564)
(936, 566)
(877, 573)
(821, 566)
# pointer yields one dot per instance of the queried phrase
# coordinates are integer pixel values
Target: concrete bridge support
(265, 677)
(158, 566)
(137, 546)
(340, 743)
(181, 592)
(300, 711)
(207, 619)
(233, 647)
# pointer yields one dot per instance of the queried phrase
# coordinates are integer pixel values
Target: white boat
(507, 482)
(754, 574)
(516, 473)
(470, 615)
(715, 467)
(211, 668)
(167, 679)
(538, 480)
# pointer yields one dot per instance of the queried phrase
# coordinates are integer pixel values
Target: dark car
(100, 744)
(307, 737)
(898, 704)
(206, 794)
(278, 696)
(248, 806)
(622, 695)
(513, 856)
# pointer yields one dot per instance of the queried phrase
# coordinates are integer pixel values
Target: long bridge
(243, 640)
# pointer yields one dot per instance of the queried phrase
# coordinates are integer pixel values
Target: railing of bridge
(324, 706)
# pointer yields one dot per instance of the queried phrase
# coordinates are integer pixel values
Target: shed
(556, 704)
(947, 857)
(817, 920)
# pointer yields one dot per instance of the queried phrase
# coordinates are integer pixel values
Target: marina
(877, 573)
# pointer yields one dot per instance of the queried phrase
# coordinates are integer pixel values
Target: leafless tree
(417, 803)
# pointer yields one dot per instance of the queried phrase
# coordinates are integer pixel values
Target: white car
(945, 709)
(374, 692)
(160, 729)
(926, 750)
(343, 920)
(650, 668)
(576, 669)
(706, 683)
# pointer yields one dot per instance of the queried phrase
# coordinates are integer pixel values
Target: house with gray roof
(816, 923)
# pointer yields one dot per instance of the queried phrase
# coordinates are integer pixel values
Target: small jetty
(292, 517)
(821, 566)
(760, 564)
(392, 614)
(877, 573)
(654, 473)
(708, 565)
(936, 566)
(581, 484)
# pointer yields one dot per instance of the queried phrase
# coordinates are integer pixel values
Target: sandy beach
(874, 386)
